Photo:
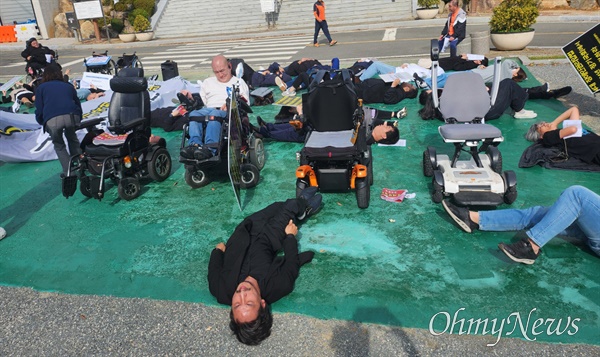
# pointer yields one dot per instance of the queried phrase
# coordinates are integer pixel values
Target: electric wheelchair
(478, 181)
(237, 147)
(125, 155)
(335, 156)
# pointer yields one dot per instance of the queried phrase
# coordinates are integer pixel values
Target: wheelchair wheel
(85, 186)
(110, 68)
(427, 162)
(129, 188)
(196, 178)
(495, 157)
(250, 176)
(363, 193)
(300, 185)
(257, 153)
(437, 195)
(138, 64)
(159, 167)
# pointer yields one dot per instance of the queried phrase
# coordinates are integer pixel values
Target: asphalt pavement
(34, 323)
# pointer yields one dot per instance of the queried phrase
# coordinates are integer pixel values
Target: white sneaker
(16, 106)
(525, 114)
(280, 84)
(261, 68)
(288, 93)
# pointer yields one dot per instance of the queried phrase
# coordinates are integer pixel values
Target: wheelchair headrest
(131, 72)
(128, 84)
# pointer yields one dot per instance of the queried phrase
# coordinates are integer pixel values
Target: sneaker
(401, 113)
(314, 205)
(16, 106)
(561, 91)
(309, 192)
(202, 153)
(332, 43)
(175, 101)
(520, 252)
(282, 86)
(525, 114)
(546, 87)
(290, 92)
(460, 215)
(316, 45)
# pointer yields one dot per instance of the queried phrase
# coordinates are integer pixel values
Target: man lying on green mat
(247, 272)
(295, 130)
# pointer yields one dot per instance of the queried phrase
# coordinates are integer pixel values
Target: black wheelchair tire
(257, 153)
(159, 167)
(85, 186)
(427, 166)
(363, 193)
(129, 188)
(300, 185)
(437, 195)
(250, 176)
(196, 178)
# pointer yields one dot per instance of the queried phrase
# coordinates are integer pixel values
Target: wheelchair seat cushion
(109, 139)
(336, 139)
(330, 144)
(472, 132)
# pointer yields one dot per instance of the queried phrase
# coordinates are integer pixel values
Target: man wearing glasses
(214, 93)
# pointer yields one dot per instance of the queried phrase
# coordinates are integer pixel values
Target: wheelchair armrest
(121, 129)
(86, 124)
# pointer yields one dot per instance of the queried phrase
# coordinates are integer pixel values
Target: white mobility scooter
(478, 181)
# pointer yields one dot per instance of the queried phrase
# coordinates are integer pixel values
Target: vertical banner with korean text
(584, 54)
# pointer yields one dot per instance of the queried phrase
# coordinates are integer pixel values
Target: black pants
(510, 94)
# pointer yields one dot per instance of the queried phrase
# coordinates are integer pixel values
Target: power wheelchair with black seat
(237, 147)
(335, 156)
(479, 180)
(126, 154)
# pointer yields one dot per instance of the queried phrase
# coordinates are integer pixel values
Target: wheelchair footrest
(69, 185)
(477, 198)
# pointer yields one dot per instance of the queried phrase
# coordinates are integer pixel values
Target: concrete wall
(45, 10)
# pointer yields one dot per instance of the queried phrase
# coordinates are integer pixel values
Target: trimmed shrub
(514, 16)
(137, 12)
(141, 24)
(117, 25)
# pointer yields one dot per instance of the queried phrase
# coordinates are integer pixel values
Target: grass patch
(547, 57)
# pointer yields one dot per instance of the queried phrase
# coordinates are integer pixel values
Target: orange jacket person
(321, 23)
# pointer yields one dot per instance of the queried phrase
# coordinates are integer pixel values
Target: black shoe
(188, 152)
(561, 91)
(314, 205)
(460, 215)
(202, 153)
(260, 121)
(309, 192)
(520, 252)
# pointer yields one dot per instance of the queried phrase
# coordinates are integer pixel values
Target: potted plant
(428, 9)
(141, 25)
(510, 24)
(127, 35)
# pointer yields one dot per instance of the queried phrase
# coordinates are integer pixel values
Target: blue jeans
(377, 68)
(213, 127)
(321, 25)
(575, 214)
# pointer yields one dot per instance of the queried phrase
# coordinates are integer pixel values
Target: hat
(424, 62)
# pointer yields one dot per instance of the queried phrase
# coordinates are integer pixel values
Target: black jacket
(38, 55)
(375, 90)
(224, 268)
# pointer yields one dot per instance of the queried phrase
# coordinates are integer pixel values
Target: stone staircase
(187, 18)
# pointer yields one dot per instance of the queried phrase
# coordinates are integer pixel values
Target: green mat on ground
(393, 263)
